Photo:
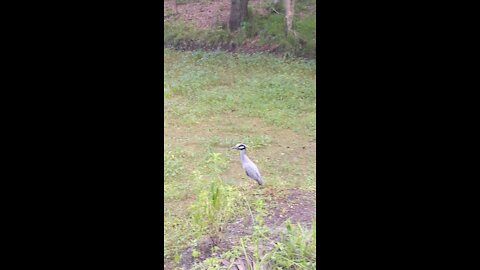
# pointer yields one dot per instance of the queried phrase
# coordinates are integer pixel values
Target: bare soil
(204, 14)
(296, 205)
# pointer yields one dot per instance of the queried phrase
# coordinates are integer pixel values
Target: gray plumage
(250, 168)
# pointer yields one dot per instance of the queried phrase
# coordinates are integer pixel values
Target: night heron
(248, 165)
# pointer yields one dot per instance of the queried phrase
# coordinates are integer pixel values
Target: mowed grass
(212, 102)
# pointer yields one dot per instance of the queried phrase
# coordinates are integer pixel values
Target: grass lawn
(214, 215)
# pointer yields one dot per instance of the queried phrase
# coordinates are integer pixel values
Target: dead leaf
(241, 266)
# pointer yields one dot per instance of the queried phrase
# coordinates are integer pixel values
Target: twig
(250, 210)
(276, 11)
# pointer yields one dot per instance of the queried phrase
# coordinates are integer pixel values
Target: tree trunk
(289, 13)
(238, 13)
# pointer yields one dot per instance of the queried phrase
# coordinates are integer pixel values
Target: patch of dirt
(204, 14)
(297, 205)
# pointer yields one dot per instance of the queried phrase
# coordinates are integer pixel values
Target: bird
(250, 168)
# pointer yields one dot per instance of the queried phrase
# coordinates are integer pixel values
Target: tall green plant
(213, 208)
(297, 250)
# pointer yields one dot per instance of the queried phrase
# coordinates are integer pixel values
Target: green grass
(280, 92)
(297, 249)
(212, 102)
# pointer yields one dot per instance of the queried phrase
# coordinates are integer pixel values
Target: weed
(208, 264)
(214, 208)
(173, 165)
(216, 162)
(232, 254)
(297, 250)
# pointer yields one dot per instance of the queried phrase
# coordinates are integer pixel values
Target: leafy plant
(213, 208)
(172, 164)
(195, 253)
(297, 250)
(216, 162)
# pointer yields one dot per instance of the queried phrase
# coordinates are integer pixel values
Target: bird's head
(240, 146)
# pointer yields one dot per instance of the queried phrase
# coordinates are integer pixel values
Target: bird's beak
(234, 147)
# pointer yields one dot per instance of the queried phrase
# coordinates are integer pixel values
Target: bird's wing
(253, 173)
